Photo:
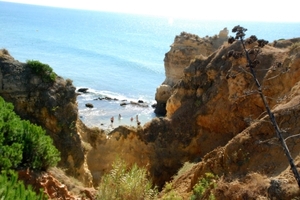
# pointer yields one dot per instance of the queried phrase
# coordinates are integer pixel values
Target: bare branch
(292, 136)
(251, 56)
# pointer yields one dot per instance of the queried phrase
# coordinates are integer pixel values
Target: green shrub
(126, 183)
(170, 194)
(13, 189)
(199, 190)
(23, 144)
(38, 152)
(44, 70)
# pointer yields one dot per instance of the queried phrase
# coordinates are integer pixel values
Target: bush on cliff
(125, 182)
(202, 190)
(44, 70)
(23, 144)
(13, 189)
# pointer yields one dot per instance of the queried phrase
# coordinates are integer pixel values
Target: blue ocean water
(113, 54)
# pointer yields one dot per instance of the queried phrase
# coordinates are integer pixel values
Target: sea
(118, 57)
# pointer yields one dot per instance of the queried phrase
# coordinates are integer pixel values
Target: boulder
(83, 90)
(89, 105)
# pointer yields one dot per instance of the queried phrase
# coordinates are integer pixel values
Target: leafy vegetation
(23, 144)
(42, 69)
(170, 194)
(124, 182)
(13, 189)
(199, 190)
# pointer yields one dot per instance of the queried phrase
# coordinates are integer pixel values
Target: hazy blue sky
(257, 10)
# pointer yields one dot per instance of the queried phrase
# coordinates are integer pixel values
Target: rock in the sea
(139, 103)
(83, 90)
(89, 105)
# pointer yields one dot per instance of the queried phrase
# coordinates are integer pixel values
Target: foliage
(199, 190)
(170, 194)
(125, 182)
(13, 189)
(23, 144)
(44, 70)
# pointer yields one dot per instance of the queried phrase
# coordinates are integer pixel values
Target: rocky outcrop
(123, 142)
(186, 47)
(53, 188)
(50, 104)
(232, 133)
(215, 117)
(252, 164)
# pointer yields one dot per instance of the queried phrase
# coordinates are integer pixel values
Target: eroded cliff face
(56, 185)
(214, 115)
(233, 134)
(124, 142)
(50, 104)
(252, 164)
(186, 47)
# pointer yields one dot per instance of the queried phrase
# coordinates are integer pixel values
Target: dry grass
(73, 185)
(253, 186)
(186, 167)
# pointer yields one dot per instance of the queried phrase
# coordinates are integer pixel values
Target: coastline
(96, 110)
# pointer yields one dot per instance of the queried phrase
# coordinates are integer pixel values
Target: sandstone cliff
(185, 48)
(215, 118)
(50, 104)
(228, 126)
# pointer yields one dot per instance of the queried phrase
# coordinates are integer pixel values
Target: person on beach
(119, 116)
(131, 119)
(137, 120)
(112, 121)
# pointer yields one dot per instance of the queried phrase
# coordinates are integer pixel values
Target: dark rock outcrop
(83, 90)
(89, 105)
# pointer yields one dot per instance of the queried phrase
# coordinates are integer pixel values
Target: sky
(251, 10)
